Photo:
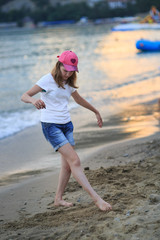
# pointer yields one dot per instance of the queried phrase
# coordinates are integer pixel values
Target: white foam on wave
(13, 122)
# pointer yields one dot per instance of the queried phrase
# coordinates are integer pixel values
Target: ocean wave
(13, 122)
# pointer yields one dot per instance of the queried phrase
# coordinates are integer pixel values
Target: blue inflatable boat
(147, 45)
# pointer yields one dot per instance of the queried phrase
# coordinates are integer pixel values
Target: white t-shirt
(56, 100)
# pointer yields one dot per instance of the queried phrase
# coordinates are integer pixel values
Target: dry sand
(126, 174)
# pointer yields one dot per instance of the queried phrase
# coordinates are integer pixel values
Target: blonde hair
(56, 73)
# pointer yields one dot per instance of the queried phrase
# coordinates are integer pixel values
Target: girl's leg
(73, 160)
(64, 176)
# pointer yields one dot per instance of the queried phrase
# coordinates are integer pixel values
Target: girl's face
(65, 74)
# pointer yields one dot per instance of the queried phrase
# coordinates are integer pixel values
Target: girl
(56, 88)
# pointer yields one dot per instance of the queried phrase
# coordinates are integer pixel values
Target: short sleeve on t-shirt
(73, 90)
(44, 82)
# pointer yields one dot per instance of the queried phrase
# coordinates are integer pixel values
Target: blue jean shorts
(58, 134)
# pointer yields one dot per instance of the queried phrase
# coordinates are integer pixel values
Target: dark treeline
(46, 12)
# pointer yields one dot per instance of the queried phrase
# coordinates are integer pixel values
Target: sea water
(112, 73)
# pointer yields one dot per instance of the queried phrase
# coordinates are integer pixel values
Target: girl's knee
(75, 161)
(70, 156)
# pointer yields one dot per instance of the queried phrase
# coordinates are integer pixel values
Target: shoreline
(28, 154)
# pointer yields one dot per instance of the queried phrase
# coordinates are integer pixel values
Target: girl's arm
(27, 97)
(81, 101)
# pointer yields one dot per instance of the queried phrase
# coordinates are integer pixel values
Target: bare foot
(62, 203)
(102, 205)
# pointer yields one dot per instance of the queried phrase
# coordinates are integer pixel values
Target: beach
(123, 168)
(121, 160)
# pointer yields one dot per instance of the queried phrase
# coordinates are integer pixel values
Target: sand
(122, 163)
(125, 174)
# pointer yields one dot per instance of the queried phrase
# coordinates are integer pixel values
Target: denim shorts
(58, 134)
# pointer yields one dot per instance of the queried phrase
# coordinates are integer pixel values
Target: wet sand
(124, 171)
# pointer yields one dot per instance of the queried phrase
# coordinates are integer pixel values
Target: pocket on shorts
(70, 126)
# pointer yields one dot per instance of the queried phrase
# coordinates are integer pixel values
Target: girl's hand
(39, 104)
(99, 119)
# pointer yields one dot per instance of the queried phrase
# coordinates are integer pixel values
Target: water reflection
(130, 77)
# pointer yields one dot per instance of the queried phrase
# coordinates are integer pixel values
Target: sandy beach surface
(125, 172)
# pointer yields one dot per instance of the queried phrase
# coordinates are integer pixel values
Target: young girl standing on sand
(56, 88)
